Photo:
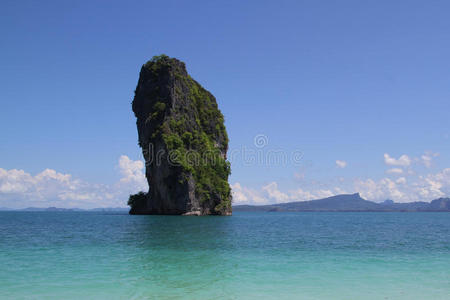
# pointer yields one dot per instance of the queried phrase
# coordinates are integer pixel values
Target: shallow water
(51, 255)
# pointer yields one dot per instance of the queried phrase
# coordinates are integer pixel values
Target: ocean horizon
(95, 255)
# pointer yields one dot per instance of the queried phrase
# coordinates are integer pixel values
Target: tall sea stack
(184, 142)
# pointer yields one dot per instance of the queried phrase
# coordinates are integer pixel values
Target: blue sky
(347, 81)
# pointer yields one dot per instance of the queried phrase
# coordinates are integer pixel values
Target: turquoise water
(50, 255)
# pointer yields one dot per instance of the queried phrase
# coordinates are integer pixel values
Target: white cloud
(427, 158)
(303, 195)
(395, 171)
(435, 185)
(243, 195)
(418, 188)
(341, 163)
(380, 190)
(270, 193)
(14, 181)
(402, 161)
(132, 174)
(50, 188)
(238, 194)
(274, 193)
(401, 180)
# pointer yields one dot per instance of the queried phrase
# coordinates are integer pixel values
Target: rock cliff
(184, 142)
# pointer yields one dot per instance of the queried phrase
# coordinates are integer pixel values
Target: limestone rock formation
(184, 142)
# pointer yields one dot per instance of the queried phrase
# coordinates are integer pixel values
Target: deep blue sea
(86, 255)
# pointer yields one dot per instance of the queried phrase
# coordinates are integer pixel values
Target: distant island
(348, 203)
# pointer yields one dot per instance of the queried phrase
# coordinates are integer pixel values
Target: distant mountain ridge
(349, 203)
